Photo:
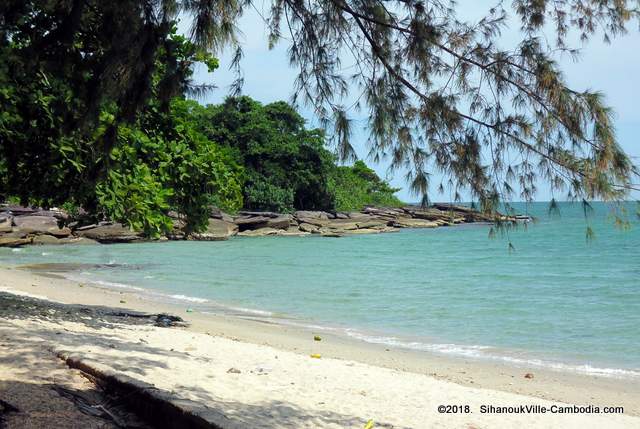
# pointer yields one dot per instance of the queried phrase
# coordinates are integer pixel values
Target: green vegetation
(167, 154)
(169, 165)
(358, 186)
(104, 122)
(287, 166)
(133, 170)
(63, 75)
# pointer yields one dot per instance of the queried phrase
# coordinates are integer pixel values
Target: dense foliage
(133, 171)
(441, 92)
(287, 166)
(166, 163)
(358, 186)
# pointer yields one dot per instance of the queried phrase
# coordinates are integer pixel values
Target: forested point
(173, 155)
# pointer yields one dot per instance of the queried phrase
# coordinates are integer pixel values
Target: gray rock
(114, 233)
(33, 224)
(6, 222)
(216, 213)
(307, 227)
(79, 241)
(342, 224)
(313, 221)
(85, 227)
(357, 215)
(372, 223)
(414, 223)
(294, 232)
(51, 240)
(14, 239)
(45, 240)
(305, 214)
(330, 233)
(280, 222)
(263, 214)
(365, 231)
(260, 232)
(217, 230)
(251, 222)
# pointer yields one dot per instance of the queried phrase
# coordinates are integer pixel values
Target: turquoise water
(556, 300)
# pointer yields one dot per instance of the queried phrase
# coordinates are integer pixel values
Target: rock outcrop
(217, 230)
(23, 225)
(39, 225)
(109, 232)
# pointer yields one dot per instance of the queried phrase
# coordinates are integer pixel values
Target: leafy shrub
(170, 166)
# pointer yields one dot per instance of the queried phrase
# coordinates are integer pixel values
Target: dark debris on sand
(21, 307)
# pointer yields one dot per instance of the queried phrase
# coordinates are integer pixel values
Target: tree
(358, 186)
(287, 166)
(441, 93)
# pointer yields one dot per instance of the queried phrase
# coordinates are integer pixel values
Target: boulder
(45, 240)
(6, 222)
(365, 231)
(358, 215)
(78, 241)
(51, 240)
(85, 227)
(263, 214)
(260, 232)
(33, 224)
(114, 233)
(280, 222)
(372, 223)
(313, 221)
(216, 213)
(414, 223)
(217, 230)
(384, 212)
(251, 222)
(325, 232)
(427, 213)
(341, 215)
(307, 227)
(342, 224)
(14, 239)
(294, 232)
(306, 214)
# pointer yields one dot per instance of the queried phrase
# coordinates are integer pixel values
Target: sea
(546, 293)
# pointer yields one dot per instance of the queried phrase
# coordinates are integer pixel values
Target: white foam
(249, 310)
(114, 285)
(187, 298)
(485, 352)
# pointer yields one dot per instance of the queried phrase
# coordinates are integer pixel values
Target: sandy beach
(266, 375)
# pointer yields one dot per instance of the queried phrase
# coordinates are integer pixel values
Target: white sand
(283, 389)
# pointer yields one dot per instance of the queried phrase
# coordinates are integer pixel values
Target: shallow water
(555, 301)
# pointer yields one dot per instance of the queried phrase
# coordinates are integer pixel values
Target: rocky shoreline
(21, 226)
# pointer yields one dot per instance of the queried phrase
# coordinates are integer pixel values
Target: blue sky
(613, 69)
